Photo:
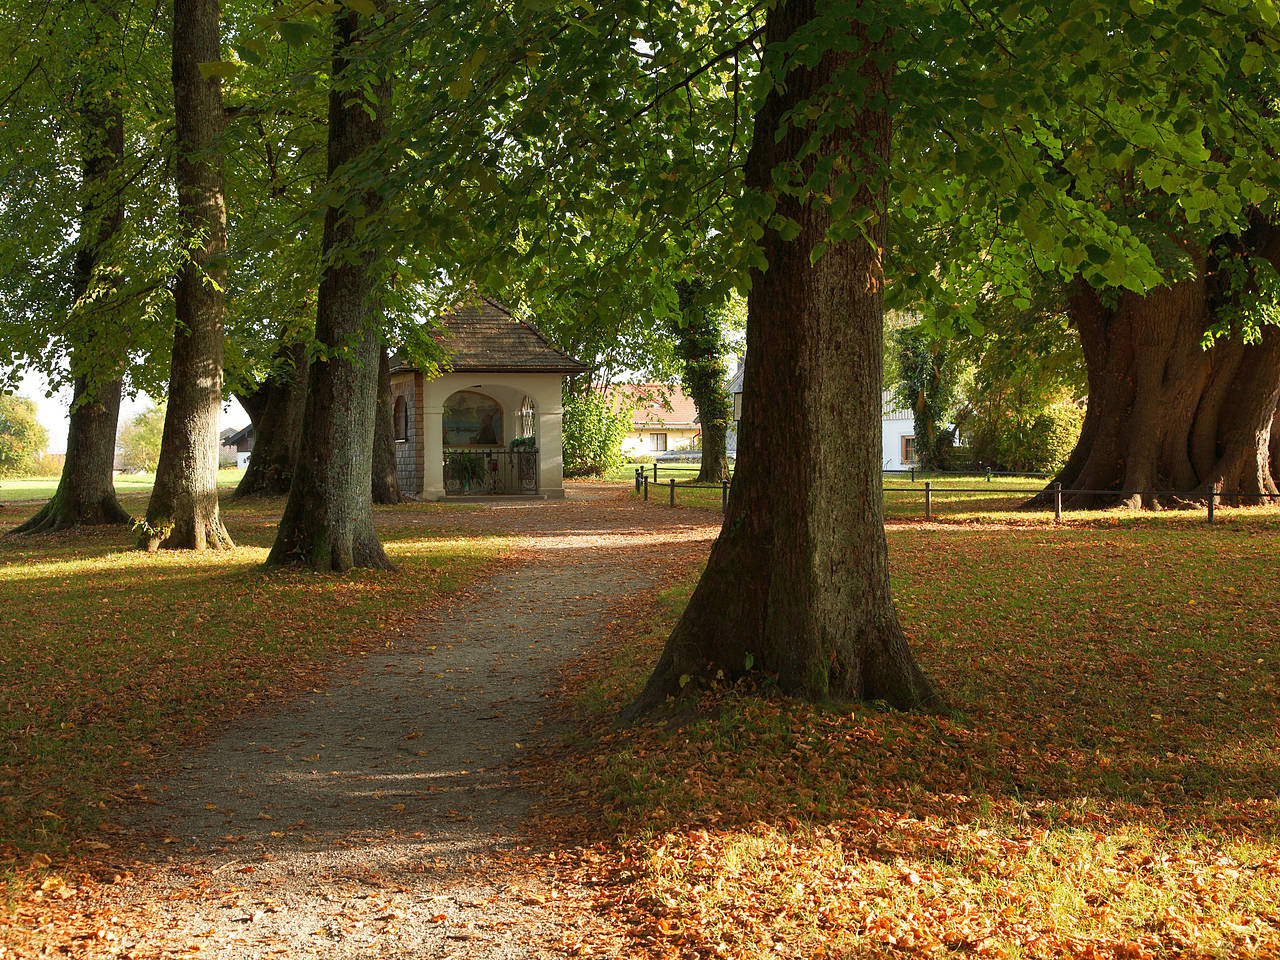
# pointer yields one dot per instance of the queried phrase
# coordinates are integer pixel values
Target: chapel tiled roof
(482, 336)
(656, 405)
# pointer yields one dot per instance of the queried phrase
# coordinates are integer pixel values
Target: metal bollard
(639, 476)
(672, 481)
(1213, 496)
(724, 495)
(988, 474)
(913, 474)
(928, 500)
(1057, 502)
(655, 471)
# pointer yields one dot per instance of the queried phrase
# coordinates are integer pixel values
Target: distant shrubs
(140, 441)
(1035, 436)
(22, 439)
(593, 434)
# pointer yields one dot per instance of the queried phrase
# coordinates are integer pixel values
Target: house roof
(655, 405)
(483, 336)
(230, 436)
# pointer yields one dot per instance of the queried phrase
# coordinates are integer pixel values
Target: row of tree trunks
(183, 511)
(1166, 416)
(797, 585)
(86, 493)
(275, 409)
(328, 518)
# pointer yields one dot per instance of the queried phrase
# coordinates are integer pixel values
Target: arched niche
(472, 419)
(400, 415)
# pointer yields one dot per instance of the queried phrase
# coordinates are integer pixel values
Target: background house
(491, 422)
(236, 445)
(663, 418)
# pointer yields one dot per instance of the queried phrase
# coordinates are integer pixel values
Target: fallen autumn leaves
(1106, 788)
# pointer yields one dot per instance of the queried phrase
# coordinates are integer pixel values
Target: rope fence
(1211, 498)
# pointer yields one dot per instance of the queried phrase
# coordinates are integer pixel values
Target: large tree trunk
(183, 511)
(328, 520)
(1275, 443)
(700, 345)
(86, 493)
(1165, 416)
(276, 410)
(797, 585)
(386, 485)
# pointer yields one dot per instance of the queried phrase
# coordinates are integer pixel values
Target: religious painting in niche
(472, 420)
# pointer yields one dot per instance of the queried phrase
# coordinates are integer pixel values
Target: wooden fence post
(672, 481)
(646, 486)
(928, 500)
(1057, 502)
(639, 475)
(724, 496)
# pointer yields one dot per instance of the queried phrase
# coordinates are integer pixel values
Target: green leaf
(219, 68)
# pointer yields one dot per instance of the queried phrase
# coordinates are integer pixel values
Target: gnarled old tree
(183, 511)
(86, 493)
(1165, 415)
(328, 520)
(797, 585)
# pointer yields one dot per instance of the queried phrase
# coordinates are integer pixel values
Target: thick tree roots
(63, 513)
(186, 533)
(1168, 419)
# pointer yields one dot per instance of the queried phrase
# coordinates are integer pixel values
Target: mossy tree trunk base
(328, 519)
(797, 585)
(183, 511)
(86, 495)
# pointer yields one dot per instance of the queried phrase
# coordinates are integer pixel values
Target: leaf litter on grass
(1106, 785)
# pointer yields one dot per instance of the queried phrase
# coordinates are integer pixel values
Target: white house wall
(509, 391)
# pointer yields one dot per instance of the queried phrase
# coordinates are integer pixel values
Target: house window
(400, 414)
(658, 442)
(908, 449)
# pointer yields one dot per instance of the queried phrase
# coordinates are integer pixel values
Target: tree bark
(1166, 417)
(276, 410)
(86, 494)
(700, 345)
(797, 585)
(183, 511)
(386, 485)
(328, 519)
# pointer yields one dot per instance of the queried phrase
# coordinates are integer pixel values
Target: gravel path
(380, 816)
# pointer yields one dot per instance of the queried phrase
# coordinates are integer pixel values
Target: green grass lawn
(114, 658)
(1106, 784)
(903, 499)
(42, 488)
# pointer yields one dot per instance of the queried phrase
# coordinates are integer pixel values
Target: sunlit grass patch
(115, 657)
(42, 488)
(1106, 784)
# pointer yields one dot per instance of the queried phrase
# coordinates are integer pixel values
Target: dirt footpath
(380, 816)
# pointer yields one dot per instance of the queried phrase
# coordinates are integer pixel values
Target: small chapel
(489, 425)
